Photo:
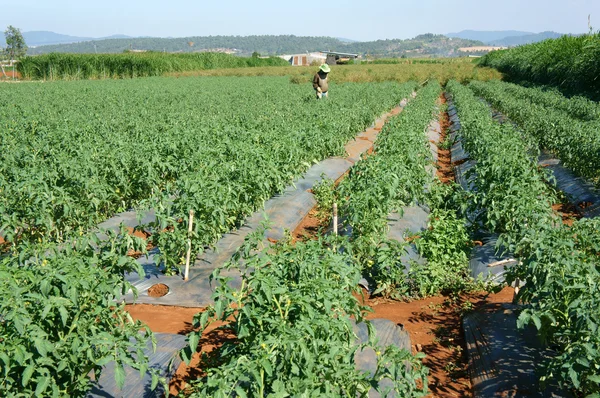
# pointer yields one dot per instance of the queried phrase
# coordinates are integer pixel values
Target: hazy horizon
(350, 19)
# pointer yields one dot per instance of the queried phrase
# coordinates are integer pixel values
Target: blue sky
(384, 19)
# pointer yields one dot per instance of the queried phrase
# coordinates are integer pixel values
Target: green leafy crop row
(294, 333)
(576, 107)
(576, 142)
(559, 264)
(509, 185)
(394, 176)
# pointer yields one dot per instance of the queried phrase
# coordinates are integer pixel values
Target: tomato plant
(559, 264)
(61, 319)
(558, 128)
(292, 318)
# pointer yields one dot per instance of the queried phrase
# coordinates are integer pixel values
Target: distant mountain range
(525, 39)
(487, 36)
(41, 42)
(421, 46)
(505, 38)
(42, 38)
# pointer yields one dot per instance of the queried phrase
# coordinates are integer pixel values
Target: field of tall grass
(57, 66)
(570, 63)
(130, 65)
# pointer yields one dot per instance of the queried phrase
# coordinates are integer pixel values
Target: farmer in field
(320, 83)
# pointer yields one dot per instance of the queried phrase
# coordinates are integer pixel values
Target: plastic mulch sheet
(580, 192)
(489, 264)
(389, 334)
(167, 348)
(410, 221)
(503, 360)
(285, 212)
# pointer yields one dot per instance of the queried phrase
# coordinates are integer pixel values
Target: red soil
(434, 324)
(139, 234)
(158, 290)
(445, 171)
(309, 227)
(435, 328)
(568, 212)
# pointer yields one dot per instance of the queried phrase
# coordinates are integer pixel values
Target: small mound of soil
(158, 290)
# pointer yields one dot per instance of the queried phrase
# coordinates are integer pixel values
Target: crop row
(293, 291)
(569, 63)
(75, 153)
(576, 107)
(508, 185)
(558, 263)
(293, 322)
(398, 175)
(575, 142)
(58, 66)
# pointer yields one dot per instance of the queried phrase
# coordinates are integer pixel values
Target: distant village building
(305, 59)
(337, 57)
(328, 57)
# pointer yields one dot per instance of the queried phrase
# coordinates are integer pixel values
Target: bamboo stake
(189, 250)
(517, 288)
(502, 262)
(335, 219)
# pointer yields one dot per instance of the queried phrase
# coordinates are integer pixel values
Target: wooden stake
(335, 219)
(189, 250)
(517, 288)
(501, 262)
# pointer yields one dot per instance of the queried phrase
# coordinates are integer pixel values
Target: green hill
(422, 45)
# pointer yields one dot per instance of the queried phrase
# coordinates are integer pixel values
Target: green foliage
(576, 107)
(569, 63)
(61, 319)
(393, 178)
(399, 165)
(553, 121)
(559, 264)
(563, 292)
(218, 146)
(509, 185)
(326, 195)
(292, 318)
(15, 44)
(57, 66)
(446, 245)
